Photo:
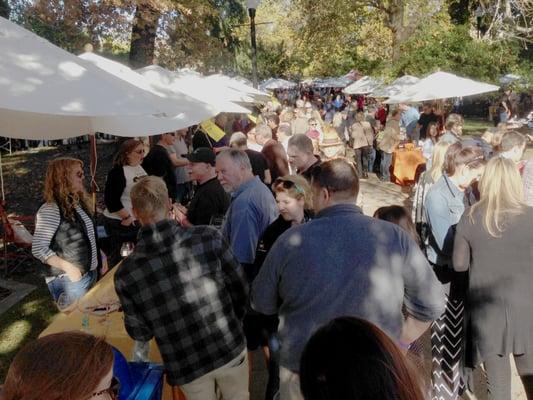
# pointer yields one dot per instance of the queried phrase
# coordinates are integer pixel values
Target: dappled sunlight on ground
(12, 337)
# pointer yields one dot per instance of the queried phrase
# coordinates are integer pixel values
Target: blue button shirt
(409, 120)
(343, 263)
(252, 209)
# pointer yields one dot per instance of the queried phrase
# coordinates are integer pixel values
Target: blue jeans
(503, 117)
(386, 160)
(371, 157)
(72, 290)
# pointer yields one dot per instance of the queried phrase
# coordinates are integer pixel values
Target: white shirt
(180, 147)
(255, 146)
(132, 175)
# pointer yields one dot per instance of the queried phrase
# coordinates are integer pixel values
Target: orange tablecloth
(110, 326)
(405, 164)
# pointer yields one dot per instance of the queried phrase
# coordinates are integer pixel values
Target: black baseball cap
(201, 155)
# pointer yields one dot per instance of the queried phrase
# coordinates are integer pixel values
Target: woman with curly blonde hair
(65, 236)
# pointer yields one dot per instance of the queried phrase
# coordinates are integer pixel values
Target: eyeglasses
(112, 390)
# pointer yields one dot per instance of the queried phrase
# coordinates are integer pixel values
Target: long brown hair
(57, 187)
(61, 366)
(400, 216)
(124, 151)
(458, 154)
(352, 359)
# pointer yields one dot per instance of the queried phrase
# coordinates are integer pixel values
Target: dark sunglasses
(112, 390)
(288, 185)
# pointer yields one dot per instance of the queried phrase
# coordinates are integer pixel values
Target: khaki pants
(231, 379)
(289, 385)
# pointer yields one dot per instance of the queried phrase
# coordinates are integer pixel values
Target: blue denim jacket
(445, 205)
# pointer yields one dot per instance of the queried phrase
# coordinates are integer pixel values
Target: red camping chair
(17, 238)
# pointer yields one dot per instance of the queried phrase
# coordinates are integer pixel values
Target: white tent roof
(441, 85)
(187, 111)
(338, 82)
(48, 93)
(509, 78)
(395, 87)
(364, 85)
(277, 83)
(240, 86)
(194, 85)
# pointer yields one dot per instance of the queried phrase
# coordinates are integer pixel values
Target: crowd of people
(256, 241)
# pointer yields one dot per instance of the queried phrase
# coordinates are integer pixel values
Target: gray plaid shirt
(185, 288)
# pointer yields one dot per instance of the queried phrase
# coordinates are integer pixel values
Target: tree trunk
(143, 35)
(400, 27)
(4, 9)
(396, 25)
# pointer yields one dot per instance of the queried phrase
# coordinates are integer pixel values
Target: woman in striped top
(64, 235)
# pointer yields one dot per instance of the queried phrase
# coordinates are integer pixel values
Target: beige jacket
(391, 136)
(362, 134)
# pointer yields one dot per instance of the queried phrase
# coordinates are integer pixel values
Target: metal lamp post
(252, 6)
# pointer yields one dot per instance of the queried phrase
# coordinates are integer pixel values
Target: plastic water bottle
(141, 351)
(85, 323)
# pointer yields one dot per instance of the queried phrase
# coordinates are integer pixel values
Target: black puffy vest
(71, 243)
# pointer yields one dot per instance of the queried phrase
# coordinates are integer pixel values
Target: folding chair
(17, 238)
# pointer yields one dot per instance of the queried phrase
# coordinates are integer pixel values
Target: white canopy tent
(395, 87)
(240, 86)
(441, 85)
(338, 82)
(191, 111)
(276, 84)
(364, 85)
(194, 85)
(48, 93)
(509, 78)
(217, 87)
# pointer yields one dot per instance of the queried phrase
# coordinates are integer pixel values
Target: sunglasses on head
(288, 185)
(475, 160)
(112, 390)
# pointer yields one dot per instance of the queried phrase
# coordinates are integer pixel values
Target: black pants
(118, 234)
(499, 375)
(361, 156)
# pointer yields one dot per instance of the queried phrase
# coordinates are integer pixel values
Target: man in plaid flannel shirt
(185, 289)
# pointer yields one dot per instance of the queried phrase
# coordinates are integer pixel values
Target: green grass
(475, 127)
(25, 320)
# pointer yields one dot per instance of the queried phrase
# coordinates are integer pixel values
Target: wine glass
(65, 303)
(126, 249)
